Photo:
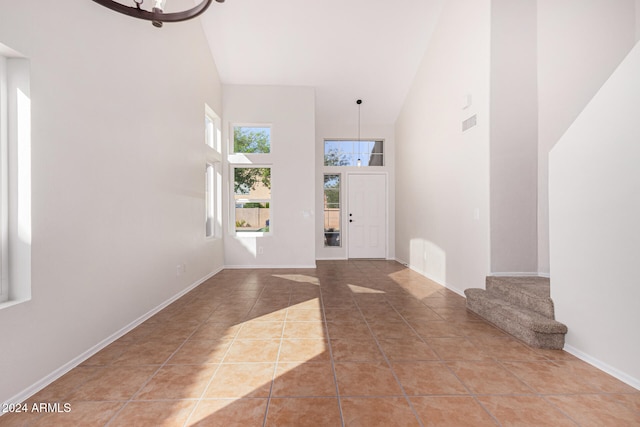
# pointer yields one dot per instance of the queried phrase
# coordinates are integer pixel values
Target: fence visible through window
(252, 197)
(332, 211)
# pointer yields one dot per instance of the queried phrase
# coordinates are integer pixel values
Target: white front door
(367, 216)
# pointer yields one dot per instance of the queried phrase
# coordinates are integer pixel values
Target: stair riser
(544, 307)
(531, 338)
(548, 336)
(502, 288)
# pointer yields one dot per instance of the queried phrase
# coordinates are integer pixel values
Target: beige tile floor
(353, 343)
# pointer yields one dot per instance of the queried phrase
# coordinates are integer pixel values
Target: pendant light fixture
(359, 102)
(156, 15)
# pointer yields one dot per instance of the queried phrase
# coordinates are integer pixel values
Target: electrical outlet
(260, 250)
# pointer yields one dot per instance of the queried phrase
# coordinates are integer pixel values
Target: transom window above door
(357, 153)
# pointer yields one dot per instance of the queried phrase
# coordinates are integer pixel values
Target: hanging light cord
(359, 102)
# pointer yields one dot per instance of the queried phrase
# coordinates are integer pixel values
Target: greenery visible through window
(332, 210)
(353, 153)
(252, 184)
(251, 139)
(252, 193)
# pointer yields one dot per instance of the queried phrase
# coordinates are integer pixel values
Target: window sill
(252, 234)
(10, 303)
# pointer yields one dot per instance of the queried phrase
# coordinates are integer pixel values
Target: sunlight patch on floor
(363, 290)
(303, 278)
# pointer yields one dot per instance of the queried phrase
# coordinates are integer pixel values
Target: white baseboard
(456, 290)
(518, 274)
(622, 376)
(261, 267)
(42, 383)
(433, 279)
(616, 373)
(406, 264)
(400, 261)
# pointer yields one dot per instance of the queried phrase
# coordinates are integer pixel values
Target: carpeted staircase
(521, 306)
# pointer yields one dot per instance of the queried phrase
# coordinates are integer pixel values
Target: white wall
(442, 174)
(291, 113)
(637, 20)
(579, 45)
(345, 131)
(117, 177)
(594, 194)
(514, 137)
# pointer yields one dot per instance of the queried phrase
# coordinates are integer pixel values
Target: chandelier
(156, 15)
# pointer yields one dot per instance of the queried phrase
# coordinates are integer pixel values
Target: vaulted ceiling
(346, 49)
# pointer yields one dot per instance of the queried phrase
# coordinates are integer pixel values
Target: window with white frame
(4, 232)
(252, 139)
(358, 153)
(252, 198)
(209, 200)
(213, 201)
(332, 212)
(250, 158)
(213, 129)
(213, 178)
(15, 177)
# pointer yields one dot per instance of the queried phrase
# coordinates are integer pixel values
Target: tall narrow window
(252, 197)
(15, 177)
(332, 215)
(4, 230)
(210, 200)
(213, 130)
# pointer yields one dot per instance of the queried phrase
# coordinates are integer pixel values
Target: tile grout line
(473, 395)
(396, 340)
(537, 393)
(333, 366)
(493, 417)
(543, 397)
(404, 393)
(444, 362)
(275, 367)
(127, 402)
(204, 390)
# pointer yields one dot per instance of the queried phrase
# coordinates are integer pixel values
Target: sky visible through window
(252, 139)
(348, 152)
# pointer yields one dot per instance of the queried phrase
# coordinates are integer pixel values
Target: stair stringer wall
(594, 204)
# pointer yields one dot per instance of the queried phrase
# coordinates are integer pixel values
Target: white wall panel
(442, 173)
(118, 159)
(594, 189)
(291, 113)
(580, 43)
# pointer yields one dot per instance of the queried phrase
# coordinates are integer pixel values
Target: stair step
(530, 326)
(529, 292)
